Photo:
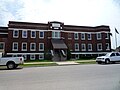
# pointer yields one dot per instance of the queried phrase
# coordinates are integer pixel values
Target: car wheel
(107, 61)
(11, 65)
(99, 62)
(16, 65)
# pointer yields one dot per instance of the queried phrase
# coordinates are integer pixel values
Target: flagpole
(115, 39)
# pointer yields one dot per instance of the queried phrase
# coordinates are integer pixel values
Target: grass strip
(86, 62)
(39, 64)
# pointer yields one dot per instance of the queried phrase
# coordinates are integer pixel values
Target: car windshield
(108, 54)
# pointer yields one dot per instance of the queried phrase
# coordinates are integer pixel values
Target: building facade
(53, 40)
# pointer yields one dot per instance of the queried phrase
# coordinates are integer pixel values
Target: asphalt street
(72, 77)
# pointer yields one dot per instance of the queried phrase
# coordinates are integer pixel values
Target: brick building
(36, 41)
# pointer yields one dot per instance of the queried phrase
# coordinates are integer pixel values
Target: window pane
(107, 35)
(89, 47)
(1, 46)
(15, 46)
(83, 47)
(32, 57)
(89, 36)
(55, 34)
(99, 36)
(41, 56)
(82, 36)
(15, 33)
(33, 34)
(24, 34)
(33, 46)
(76, 46)
(41, 34)
(24, 46)
(41, 46)
(76, 35)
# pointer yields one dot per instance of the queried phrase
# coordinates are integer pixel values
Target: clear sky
(73, 12)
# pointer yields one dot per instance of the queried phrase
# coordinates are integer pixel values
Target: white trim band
(89, 52)
(23, 53)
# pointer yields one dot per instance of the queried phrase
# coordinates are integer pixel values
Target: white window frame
(32, 57)
(23, 31)
(3, 45)
(39, 34)
(108, 47)
(98, 38)
(40, 56)
(56, 25)
(98, 46)
(107, 36)
(76, 36)
(14, 55)
(13, 46)
(76, 56)
(89, 38)
(31, 34)
(77, 44)
(22, 46)
(25, 57)
(14, 33)
(83, 45)
(90, 47)
(54, 34)
(39, 46)
(31, 46)
(83, 36)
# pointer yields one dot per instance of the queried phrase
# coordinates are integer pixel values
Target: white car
(109, 57)
(11, 62)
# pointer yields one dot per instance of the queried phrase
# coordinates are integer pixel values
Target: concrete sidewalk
(61, 62)
(67, 63)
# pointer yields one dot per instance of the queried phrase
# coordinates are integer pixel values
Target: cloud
(74, 12)
(9, 10)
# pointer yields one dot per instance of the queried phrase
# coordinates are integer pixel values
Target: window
(15, 55)
(33, 34)
(55, 25)
(83, 47)
(76, 46)
(99, 36)
(41, 34)
(41, 56)
(24, 46)
(32, 57)
(89, 36)
(89, 47)
(113, 54)
(33, 46)
(82, 36)
(25, 57)
(117, 54)
(15, 46)
(1, 45)
(24, 34)
(15, 33)
(107, 36)
(76, 36)
(76, 56)
(41, 46)
(55, 34)
(99, 46)
(107, 46)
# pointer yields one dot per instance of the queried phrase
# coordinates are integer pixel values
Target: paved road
(74, 77)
